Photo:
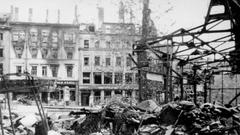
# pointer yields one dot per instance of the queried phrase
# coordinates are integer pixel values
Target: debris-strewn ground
(121, 117)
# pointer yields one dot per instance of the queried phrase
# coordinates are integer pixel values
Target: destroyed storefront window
(44, 70)
(86, 61)
(129, 62)
(18, 69)
(107, 78)
(86, 43)
(34, 70)
(118, 61)
(129, 78)
(86, 78)
(108, 62)
(97, 60)
(1, 52)
(69, 70)
(118, 78)
(97, 77)
(54, 69)
(1, 69)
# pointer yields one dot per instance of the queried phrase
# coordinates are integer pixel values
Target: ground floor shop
(100, 96)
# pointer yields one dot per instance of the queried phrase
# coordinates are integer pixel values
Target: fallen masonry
(147, 118)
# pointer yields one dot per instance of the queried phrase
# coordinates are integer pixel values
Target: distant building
(105, 67)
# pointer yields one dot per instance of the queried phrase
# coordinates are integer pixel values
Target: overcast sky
(180, 13)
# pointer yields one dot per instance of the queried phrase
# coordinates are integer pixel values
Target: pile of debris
(118, 117)
(147, 118)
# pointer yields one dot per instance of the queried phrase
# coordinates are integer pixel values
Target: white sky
(185, 13)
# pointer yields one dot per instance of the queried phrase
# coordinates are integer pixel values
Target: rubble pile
(122, 118)
(147, 118)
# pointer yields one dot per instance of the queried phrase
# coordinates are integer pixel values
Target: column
(123, 93)
(40, 96)
(134, 94)
(79, 97)
(91, 98)
(76, 94)
(48, 97)
(102, 96)
(112, 93)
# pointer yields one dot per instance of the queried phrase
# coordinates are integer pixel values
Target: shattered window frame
(69, 69)
(108, 61)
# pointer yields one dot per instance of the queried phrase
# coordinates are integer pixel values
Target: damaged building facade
(48, 51)
(87, 65)
(105, 67)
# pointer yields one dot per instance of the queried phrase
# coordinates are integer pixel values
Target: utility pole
(142, 56)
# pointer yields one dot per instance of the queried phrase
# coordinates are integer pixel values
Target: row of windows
(44, 70)
(109, 78)
(108, 44)
(97, 61)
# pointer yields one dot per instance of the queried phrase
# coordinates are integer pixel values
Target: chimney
(75, 21)
(100, 16)
(12, 13)
(58, 19)
(30, 13)
(46, 16)
(16, 14)
(121, 13)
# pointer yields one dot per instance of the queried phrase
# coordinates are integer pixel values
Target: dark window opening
(34, 70)
(86, 43)
(108, 61)
(69, 70)
(129, 62)
(1, 69)
(86, 61)
(1, 52)
(86, 78)
(54, 69)
(69, 55)
(19, 69)
(129, 78)
(97, 61)
(97, 78)
(1, 36)
(108, 78)
(118, 61)
(44, 71)
(118, 78)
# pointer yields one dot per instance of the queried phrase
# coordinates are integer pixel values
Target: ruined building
(88, 65)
